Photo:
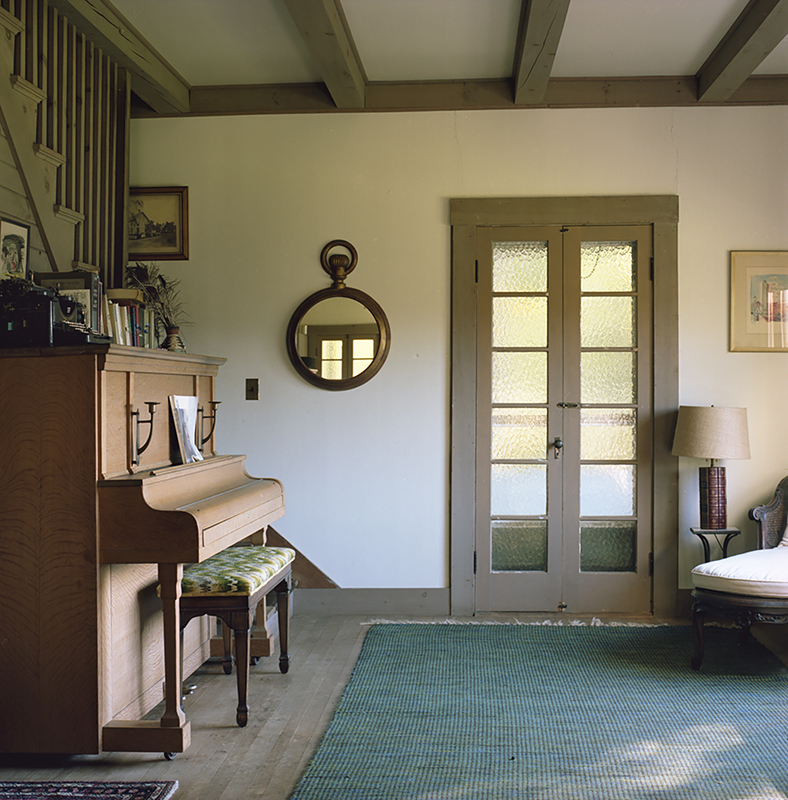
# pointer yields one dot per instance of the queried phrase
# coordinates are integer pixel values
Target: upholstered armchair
(750, 587)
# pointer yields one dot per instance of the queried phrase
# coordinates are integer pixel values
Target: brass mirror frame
(339, 266)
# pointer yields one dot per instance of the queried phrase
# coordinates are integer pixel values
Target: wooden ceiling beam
(760, 27)
(323, 28)
(152, 79)
(541, 25)
(311, 98)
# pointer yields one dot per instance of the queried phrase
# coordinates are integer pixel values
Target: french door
(564, 419)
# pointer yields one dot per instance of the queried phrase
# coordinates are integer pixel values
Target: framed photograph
(15, 240)
(159, 223)
(759, 301)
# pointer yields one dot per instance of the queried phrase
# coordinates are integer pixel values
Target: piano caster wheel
(241, 718)
(253, 660)
(284, 664)
(170, 756)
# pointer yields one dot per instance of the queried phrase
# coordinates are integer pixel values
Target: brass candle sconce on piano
(136, 448)
(212, 417)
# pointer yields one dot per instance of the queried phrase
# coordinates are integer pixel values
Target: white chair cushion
(760, 573)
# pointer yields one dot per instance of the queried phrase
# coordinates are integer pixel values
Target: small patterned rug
(478, 712)
(87, 790)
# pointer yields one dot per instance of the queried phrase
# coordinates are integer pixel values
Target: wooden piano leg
(170, 576)
(172, 733)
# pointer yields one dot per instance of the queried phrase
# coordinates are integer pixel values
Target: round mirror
(338, 338)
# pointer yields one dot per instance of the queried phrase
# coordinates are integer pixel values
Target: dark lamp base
(713, 500)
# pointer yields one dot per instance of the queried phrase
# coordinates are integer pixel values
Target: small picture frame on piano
(15, 240)
(184, 419)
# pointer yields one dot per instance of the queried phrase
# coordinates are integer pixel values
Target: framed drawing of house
(759, 301)
(159, 223)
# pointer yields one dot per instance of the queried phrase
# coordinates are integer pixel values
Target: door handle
(557, 445)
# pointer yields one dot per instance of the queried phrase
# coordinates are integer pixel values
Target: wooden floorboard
(288, 716)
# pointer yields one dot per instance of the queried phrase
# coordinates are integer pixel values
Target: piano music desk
(85, 644)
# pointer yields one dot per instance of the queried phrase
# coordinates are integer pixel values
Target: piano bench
(229, 586)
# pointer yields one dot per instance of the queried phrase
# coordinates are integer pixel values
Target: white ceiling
(214, 43)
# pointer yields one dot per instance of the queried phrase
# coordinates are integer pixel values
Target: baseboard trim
(352, 602)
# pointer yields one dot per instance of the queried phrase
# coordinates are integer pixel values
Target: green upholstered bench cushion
(236, 570)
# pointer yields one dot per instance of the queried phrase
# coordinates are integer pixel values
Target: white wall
(366, 472)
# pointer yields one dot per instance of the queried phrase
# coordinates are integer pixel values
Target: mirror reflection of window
(342, 352)
(363, 353)
(330, 364)
(338, 338)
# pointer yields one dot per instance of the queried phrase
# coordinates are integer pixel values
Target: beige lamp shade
(711, 432)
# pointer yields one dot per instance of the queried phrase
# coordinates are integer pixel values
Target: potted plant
(162, 296)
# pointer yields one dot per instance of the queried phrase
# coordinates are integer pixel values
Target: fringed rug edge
(11, 789)
(594, 622)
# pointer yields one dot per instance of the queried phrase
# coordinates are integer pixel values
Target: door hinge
(651, 564)
(477, 272)
(474, 562)
(652, 268)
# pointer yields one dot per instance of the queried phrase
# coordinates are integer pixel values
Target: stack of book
(129, 321)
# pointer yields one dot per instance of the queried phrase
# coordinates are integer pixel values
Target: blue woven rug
(434, 712)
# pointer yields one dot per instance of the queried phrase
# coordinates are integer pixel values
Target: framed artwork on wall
(158, 223)
(15, 241)
(759, 301)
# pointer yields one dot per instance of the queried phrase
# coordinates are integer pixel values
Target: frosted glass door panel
(519, 377)
(520, 267)
(607, 377)
(519, 322)
(332, 349)
(519, 433)
(607, 266)
(518, 490)
(608, 546)
(607, 322)
(331, 358)
(608, 434)
(607, 490)
(519, 545)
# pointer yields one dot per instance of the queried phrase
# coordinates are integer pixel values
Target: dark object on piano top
(35, 316)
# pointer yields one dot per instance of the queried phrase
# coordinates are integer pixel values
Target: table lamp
(713, 433)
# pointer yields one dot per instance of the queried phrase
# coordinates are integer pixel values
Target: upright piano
(89, 526)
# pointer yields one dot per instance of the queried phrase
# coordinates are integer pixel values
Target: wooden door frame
(469, 214)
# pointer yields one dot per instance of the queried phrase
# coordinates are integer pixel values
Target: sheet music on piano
(184, 417)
